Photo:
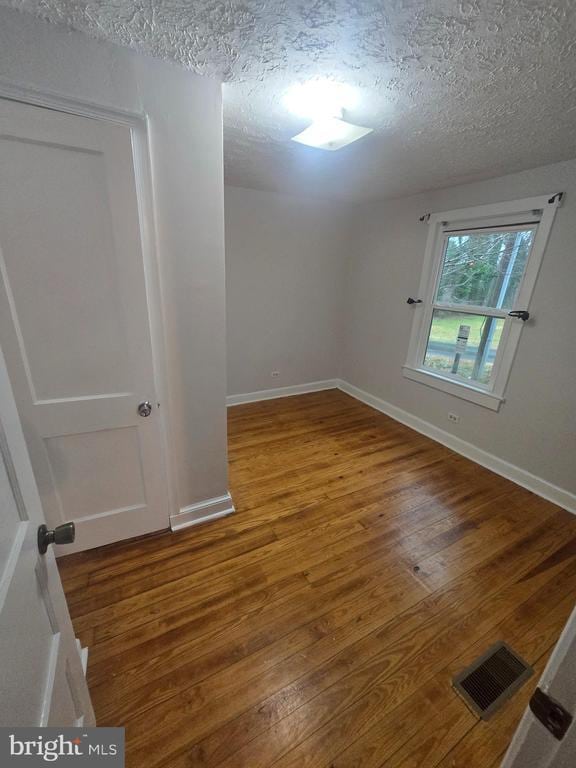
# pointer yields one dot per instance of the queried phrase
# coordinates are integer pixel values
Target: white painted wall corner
(202, 512)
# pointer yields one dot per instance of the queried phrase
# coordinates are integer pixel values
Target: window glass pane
(463, 345)
(484, 268)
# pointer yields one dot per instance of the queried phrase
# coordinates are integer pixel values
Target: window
(480, 265)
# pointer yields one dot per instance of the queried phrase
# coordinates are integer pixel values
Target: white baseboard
(271, 394)
(202, 512)
(519, 476)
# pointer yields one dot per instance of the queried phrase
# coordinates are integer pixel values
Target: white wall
(535, 428)
(285, 270)
(185, 128)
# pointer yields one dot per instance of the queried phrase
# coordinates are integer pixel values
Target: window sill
(463, 391)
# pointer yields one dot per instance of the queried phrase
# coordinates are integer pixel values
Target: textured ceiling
(455, 90)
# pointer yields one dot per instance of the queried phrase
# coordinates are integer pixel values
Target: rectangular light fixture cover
(331, 133)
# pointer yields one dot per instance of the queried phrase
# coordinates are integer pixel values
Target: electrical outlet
(453, 417)
(275, 374)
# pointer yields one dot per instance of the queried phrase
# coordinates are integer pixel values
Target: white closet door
(74, 322)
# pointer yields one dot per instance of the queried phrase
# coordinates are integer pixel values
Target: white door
(534, 745)
(74, 322)
(41, 677)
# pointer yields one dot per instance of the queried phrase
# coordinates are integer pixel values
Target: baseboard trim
(511, 472)
(271, 394)
(202, 512)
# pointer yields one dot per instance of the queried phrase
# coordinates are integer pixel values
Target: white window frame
(541, 209)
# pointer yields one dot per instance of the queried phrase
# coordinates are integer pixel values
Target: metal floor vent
(492, 679)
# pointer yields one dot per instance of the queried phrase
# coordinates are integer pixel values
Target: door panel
(41, 676)
(64, 705)
(75, 325)
(29, 653)
(59, 271)
(118, 483)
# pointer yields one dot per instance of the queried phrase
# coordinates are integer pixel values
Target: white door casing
(533, 745)
(41, 677)
(74, 322)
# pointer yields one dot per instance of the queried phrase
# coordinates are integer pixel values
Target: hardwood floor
(320, 626)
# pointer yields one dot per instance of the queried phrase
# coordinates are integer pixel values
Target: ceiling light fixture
(324, 102)
(331, 133)
(317, 99)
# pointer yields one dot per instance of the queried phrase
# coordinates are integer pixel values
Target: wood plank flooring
(320, 626)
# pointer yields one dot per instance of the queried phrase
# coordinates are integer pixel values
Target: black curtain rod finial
(425, 217)
(410, 300)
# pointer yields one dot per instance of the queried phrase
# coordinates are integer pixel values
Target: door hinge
(551, 714)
